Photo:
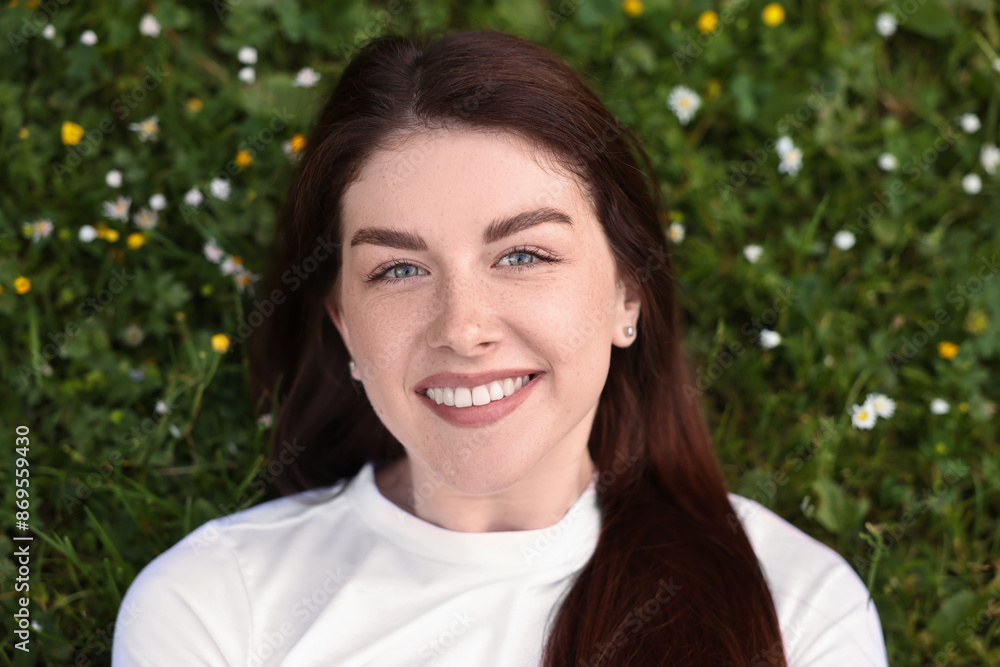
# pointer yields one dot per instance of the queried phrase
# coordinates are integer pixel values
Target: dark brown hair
(667, 522)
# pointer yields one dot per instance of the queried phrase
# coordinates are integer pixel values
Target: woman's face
(472, 297)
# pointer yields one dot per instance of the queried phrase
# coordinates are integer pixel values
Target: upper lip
(472, 379)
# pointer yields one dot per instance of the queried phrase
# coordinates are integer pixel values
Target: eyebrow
(497, 230)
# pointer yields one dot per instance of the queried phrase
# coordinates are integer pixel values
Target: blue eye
(379, 275)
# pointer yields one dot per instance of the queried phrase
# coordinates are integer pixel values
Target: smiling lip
(480, 415)
(456, 380)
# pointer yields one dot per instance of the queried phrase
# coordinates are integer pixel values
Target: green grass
(911, 503)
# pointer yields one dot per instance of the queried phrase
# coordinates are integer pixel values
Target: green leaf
(835, 510)
(931, 20)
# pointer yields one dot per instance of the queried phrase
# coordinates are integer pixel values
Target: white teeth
(463, 397)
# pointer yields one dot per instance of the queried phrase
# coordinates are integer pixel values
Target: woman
(484, 443)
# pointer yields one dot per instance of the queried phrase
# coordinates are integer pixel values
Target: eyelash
(378, 276)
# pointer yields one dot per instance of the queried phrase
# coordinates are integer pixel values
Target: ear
(627, 314)
(332, 307)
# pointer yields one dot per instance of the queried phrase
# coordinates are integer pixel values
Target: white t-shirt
(356, 581)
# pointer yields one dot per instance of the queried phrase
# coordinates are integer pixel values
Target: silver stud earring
(351, 365)
(630, 330)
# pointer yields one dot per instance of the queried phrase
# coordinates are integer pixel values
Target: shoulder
(197, 588)
(823, 606)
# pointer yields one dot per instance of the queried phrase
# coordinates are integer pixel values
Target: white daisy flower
(245, 280)
(133, 336)
(89, 38)
(863, 416)
(247, 55)
(844, 239)
(157, 202)
(289, 149)
(39, 229)
(87, 234)
(883, 406)
(174, 431)
(193, 197)
(161, 408)
(212, 251)
(113, 178)
(887, 162)
(829, 361)
(886, 24)
(149, 26)
(118, 209)
(969, 122)
(49, 31)
(265, 420)
(791, 162)
(306, 77)
(145, 218)
(147, 129)
(996, 64)
(220, 188)
(972, 184)
(989, 157)
(753, 252)
(769, 339)
(230, 267)
(247, 75)
(36, 626)
(783, 145)
(939, 406)
(676, 232)
(684, 102)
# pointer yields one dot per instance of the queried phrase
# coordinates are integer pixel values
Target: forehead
(449, 175)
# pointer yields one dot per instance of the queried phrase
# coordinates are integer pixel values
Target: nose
(464, 317)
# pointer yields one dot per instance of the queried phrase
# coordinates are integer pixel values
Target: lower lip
(479, 415)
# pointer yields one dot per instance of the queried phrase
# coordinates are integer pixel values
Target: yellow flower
(632, 7)
(71, 133)
(108, 234)
(963, 407)
(22, 285)
(975, 322)
(220, 343)
(298, 143)
(243, 159)
(773, 14)
(947, 349)
(713, 89)
(135, 240)
(23, 133)
(708, 21)
(195, 105)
